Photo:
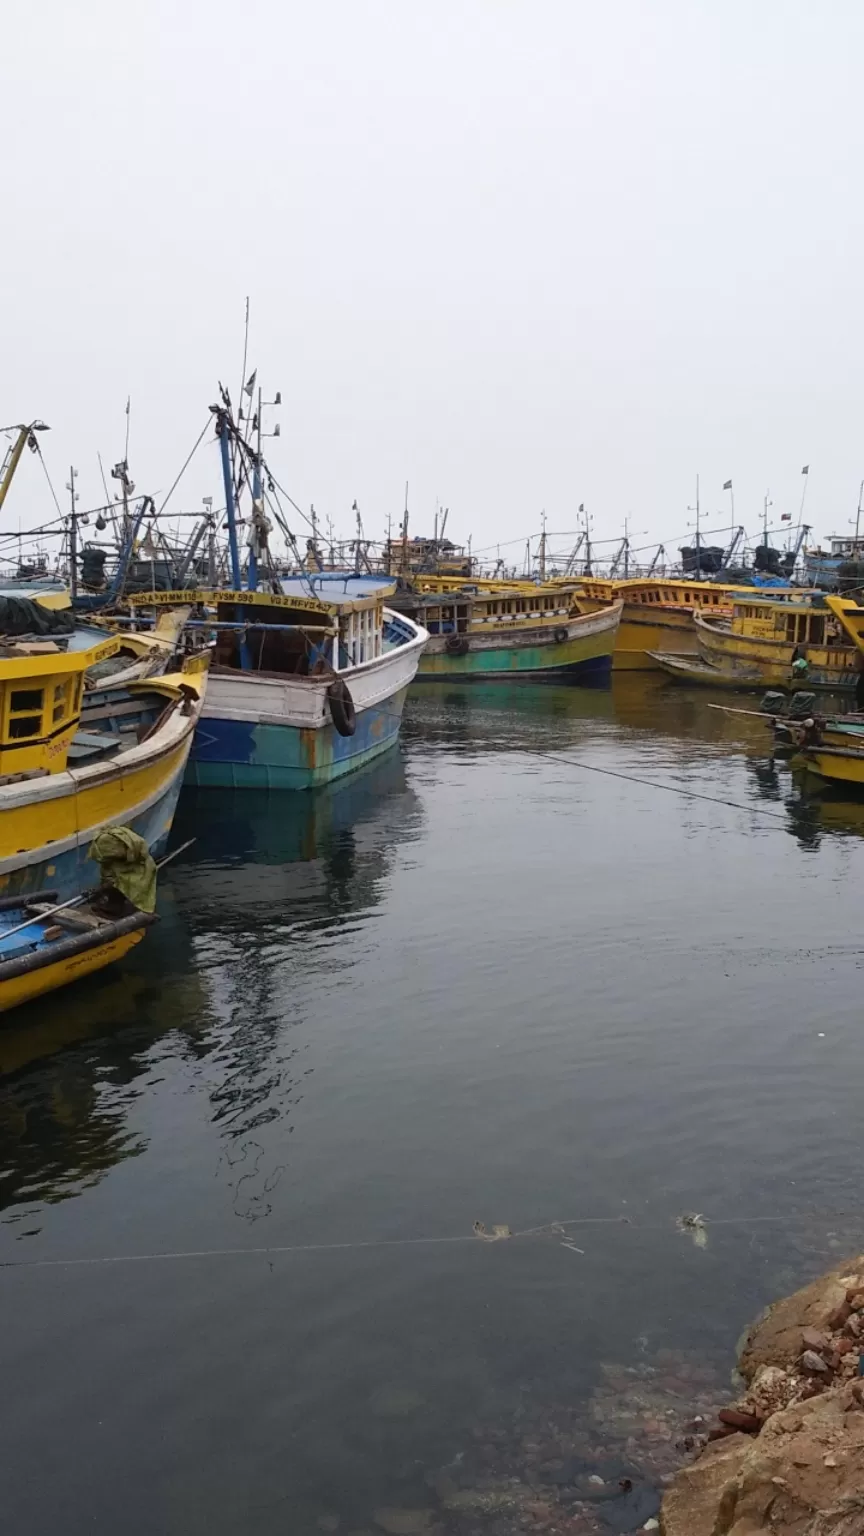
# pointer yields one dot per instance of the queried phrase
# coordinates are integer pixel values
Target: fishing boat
(44, 947)
(309, 673)
(841, 765)
(760, 644)
(305, 684)
(690, 669)
(658, 615)
(73, 763)
(517, 630)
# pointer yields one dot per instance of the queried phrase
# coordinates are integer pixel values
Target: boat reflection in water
(479, 718)
(263, 892)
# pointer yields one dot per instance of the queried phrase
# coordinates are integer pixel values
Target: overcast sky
(521, 255)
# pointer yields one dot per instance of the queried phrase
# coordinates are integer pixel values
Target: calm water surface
(477, 983)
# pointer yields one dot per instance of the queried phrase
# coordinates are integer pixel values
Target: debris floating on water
(498, 1232)
(695, 1226)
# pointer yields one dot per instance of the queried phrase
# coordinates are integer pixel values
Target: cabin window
(817, 629)
(24, 699)
(24, 725)
(62, 692)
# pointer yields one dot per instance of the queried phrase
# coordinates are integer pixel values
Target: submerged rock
(404, 1522)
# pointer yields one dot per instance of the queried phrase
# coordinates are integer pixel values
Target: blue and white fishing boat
(305, 685)
(308, 675)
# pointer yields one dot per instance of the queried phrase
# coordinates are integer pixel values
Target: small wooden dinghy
(44, 945)
(689, 669)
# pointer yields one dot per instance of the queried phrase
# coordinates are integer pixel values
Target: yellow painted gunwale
(48, 978)
(39, 816)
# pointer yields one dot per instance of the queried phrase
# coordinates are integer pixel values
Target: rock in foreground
(801, 1473)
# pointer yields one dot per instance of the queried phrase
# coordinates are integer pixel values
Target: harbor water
(509, 975)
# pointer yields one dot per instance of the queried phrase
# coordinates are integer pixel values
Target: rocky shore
(659, 1446)
(788, 1456)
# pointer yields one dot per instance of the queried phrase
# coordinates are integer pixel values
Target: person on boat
(800, 665)
(127, 872)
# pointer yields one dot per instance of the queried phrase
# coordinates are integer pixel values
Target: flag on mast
(806, 469)
(249, 386)
(727, 485)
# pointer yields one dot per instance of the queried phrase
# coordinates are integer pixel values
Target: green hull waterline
(578, 659)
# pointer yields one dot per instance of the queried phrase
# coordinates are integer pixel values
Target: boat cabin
(655, 592)
(475, 610)
(802, 622)
(42, 684)
(318, 622)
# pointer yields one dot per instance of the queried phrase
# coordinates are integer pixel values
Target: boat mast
(583, 513)
(698, 544)
(542, 560)
(73, 534)
(405, 533)
(223, 434)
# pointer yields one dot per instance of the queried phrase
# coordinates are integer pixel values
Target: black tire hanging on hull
(342, 711)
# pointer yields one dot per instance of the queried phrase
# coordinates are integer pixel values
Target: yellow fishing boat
(72, 763)
(759, 645)
(658, 615)
(836, 764)
(43, 947)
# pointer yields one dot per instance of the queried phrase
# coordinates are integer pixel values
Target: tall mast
(542, 562)
(73, 535)
(223, 433)
(698, 540)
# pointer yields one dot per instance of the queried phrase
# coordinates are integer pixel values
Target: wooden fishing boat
(765, 636)
(517, 630)
(841, 765)
(72, 764)
(657, 617)
(689, 669)
(43, 948)
(305, 685)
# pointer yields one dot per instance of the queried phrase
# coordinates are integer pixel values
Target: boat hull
(639, 636)
(584, 656)
(265, 731)
(689, 669)
(47, 825)
(250, 754)
(769, 661)
(16, 990)
(837, 765)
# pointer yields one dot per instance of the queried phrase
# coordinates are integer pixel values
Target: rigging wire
(47, 476)
(197, 445)
(672, 789)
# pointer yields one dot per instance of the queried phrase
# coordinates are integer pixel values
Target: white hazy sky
(521, 255)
